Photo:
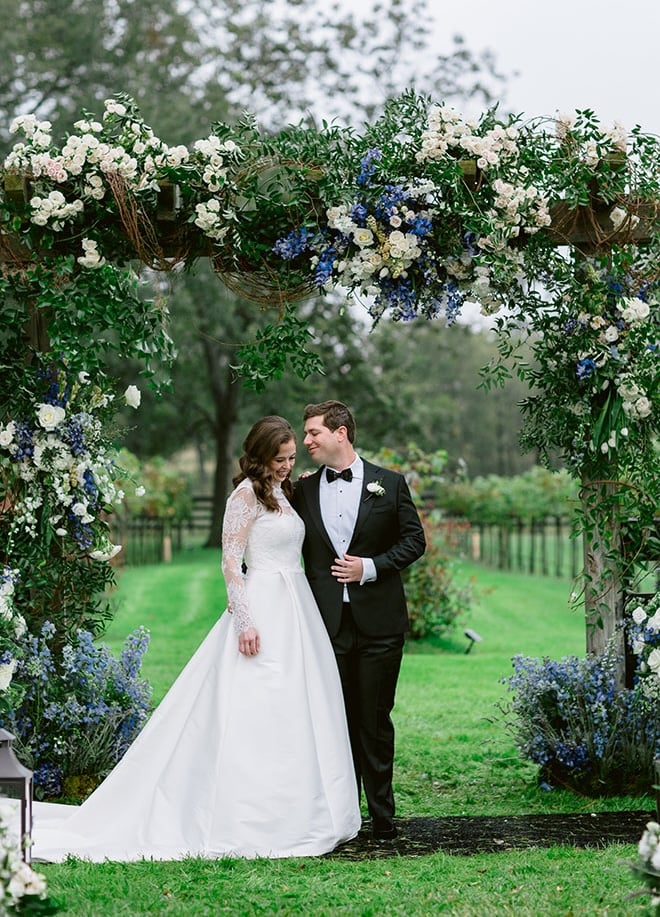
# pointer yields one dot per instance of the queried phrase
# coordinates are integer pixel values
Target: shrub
(586, 734)
(82, 707)
(435, 600)
(165, 492)
(496, 499)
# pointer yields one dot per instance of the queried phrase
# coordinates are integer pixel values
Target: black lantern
(16, 786)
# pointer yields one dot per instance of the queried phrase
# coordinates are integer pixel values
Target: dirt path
(468, 835)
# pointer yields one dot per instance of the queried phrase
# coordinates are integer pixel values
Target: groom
(361, 531)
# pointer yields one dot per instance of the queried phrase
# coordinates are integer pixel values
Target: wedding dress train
(245, 756)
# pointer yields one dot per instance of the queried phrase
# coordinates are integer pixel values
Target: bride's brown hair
(261, 445)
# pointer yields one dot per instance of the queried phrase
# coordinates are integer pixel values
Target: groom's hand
(347, 569)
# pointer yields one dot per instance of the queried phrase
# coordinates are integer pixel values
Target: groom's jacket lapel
(367, 499)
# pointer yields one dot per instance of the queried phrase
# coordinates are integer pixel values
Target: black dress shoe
(382, 829)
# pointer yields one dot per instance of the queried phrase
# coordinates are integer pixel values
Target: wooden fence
(146, 540)
(542, 547)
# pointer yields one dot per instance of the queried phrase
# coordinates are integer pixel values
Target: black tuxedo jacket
(388, 530)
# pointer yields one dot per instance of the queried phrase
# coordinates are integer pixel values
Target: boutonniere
(375, 488)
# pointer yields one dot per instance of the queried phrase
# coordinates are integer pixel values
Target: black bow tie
(346, 475)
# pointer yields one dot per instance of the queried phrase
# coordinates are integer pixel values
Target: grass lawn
(454, 757)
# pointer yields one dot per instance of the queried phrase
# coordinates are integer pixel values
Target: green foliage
(276, 347)
(163, 492)
(437, 601)
(533, 494)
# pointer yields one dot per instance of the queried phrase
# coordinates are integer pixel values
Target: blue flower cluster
(368, 166)
(325, 265)
(570, 717)
(396, 262)
(296, 243)
(79, 697)
(585, 368)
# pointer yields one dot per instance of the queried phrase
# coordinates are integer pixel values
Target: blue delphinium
(325, 265)
(571, 718)
(48, 779)
(296, 243)
(82, 706)
(585, 368)
(368, 166)
(398, 296)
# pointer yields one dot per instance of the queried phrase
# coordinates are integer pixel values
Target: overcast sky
(568, 53)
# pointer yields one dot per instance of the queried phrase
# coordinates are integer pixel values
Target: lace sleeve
(239, 518)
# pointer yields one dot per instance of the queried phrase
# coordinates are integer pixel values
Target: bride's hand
(248, 642)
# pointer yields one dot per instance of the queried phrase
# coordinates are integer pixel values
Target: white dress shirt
(340, 502)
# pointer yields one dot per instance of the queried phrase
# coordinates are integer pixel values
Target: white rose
(112, 551)
(654, 661)
(617, 216)
(363, 236)
(635, 310)
(6, 674)
(639, 615)
(132, 396)
(654, 622)
(50, 415)
(79, 509)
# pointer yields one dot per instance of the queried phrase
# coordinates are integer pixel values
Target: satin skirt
(244, 757)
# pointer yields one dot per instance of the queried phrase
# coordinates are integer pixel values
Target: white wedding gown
(245, 756)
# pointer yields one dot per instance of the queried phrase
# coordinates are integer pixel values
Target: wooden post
(167, 543)
(603, 594)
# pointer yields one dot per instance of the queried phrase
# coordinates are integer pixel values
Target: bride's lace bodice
(268, 543)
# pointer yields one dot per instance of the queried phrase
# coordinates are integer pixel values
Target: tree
(60, 57)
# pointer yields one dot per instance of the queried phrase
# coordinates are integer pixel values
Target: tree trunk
(224, 443)
(602, 571)
(226, 394)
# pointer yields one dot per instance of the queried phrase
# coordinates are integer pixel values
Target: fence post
(167, 543)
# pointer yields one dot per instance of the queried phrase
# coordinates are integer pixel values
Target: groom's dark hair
(334, 414)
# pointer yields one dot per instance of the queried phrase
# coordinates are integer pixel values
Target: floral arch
(550, 225)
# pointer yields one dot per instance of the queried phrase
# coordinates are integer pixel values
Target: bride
(248, 753)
